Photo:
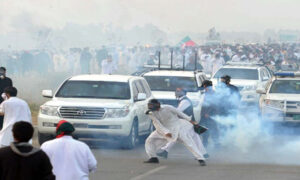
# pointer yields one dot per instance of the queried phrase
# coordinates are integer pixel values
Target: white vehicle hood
(171, 95)
(282, 97)
(105, 103)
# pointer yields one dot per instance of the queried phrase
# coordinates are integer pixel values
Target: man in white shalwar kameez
(171, 126)
(185, 105)
(14, 109)
(108, 66)
(218, 62)
(70, 158)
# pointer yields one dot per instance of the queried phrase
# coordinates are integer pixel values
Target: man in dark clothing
(209, 109)
(191, 64)
(21, 161)
(4, 83)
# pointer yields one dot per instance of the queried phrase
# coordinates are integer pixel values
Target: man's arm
(2, 109)
(46, 168)
(180, 114)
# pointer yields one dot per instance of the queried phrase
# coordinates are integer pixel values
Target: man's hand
(193, 122)
(169, 135)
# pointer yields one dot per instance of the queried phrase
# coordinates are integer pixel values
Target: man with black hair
(21, 161)
(71, 159)
(209, 109)
(171, 126)
(14, 109)
(4, 82)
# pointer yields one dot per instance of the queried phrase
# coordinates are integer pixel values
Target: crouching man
(171, 126)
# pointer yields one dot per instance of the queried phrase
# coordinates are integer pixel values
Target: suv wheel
(131, 141)
(44, 137)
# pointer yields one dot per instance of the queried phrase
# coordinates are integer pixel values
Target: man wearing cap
(4, 82)
(71, 159)
(171, 126)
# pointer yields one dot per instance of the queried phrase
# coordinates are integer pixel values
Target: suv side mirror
(47, 93)
(261, 91)
(141, 97)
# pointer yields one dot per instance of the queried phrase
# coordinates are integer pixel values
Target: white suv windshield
(94, 89)
(170, 83)
(286, 87)
(235, 73)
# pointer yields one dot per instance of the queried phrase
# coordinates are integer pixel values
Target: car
(99, 107)
(163, 83)
(247, 77)
(280, 100)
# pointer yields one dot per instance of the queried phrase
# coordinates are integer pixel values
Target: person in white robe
(185, 105)
(70, 158)
(171, 126)
(14, 109)
(108, 66)
(217, 62)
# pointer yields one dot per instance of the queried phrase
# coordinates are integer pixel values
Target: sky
(169, 15)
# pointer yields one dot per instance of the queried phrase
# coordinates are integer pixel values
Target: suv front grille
(82, 112)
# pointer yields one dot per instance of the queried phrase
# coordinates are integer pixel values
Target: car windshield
(286, 87)
(235, 73)
(94, 89)
(170, 83)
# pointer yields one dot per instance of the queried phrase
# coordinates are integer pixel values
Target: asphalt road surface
(278, 159)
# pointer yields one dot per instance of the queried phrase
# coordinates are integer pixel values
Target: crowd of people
(127, 60)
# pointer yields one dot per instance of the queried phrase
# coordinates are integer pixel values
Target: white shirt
(108, 67)
(14, 110)
(71, 159)
(183, 104)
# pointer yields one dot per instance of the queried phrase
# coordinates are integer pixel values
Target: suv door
(141, 107)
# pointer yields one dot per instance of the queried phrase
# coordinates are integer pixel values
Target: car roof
(170, 73)
(241, 67)
(102, 77)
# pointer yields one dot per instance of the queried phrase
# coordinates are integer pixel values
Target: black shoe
(152, 160)
(202, 162)
(163, 154)
(206, 156)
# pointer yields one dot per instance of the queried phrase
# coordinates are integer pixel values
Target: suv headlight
(49, 110)
(274, 103)
(117, 112)
(249, 88)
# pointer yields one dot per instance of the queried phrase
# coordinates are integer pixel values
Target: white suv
(163, 84)
(247, 77)
(99, 106)
(280, 100)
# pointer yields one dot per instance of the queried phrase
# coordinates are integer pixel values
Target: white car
(247, 77)
(163, 84)
(280, 100)
(99, 106)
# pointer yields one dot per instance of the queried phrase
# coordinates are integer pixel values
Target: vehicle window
(135, 90)
(170, 83)
(146, 88)
(235, 73)
(140, 87)
(286, 87)
(94, 89)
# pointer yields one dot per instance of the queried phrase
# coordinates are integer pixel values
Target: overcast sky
(169, 15)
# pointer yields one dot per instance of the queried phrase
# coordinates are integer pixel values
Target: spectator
(21, 161)
(4, 82)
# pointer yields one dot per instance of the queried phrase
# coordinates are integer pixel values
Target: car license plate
(296, 117)
(80, 125)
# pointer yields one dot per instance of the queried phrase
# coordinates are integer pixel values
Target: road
(116, 164)
(264, 160)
